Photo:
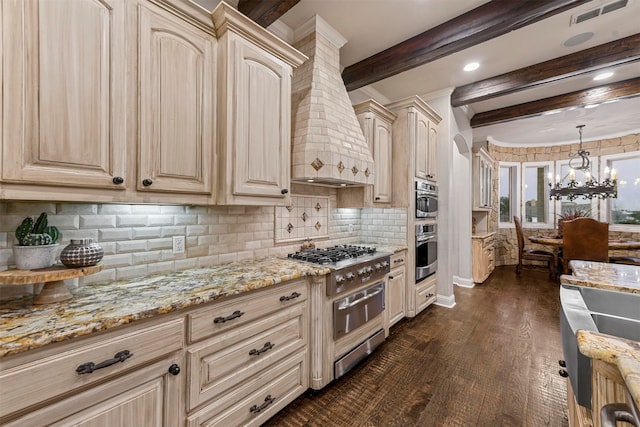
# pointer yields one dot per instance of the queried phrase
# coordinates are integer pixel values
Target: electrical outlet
(178, 244)
(350, 228)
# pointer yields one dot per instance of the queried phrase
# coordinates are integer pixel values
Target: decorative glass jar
(81, 253)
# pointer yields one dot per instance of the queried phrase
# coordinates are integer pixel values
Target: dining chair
(584, 239)
(532, 254)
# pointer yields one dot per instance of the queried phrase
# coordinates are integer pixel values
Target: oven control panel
(351, 277)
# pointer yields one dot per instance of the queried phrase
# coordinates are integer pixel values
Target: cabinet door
(382, 161)
(432, 155)
(396, 295)
(148, 397)
(422, 146)
(261, 150)
(177, 83)
(63, 91)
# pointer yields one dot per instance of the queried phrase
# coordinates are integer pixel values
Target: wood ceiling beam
(623, 89)
(483, 23)
(264, 12)
(618, 52)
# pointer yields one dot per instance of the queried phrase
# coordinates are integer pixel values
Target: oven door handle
(359, 300)
(425, 239)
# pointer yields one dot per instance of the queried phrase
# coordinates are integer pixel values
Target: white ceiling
(371, 26)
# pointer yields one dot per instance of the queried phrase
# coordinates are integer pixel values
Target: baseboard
(463, 282)
(446, 301)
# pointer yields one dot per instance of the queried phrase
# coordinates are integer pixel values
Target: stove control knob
(350, 276)
(369, 269)
(378, 266)
(340, 279)
(362, 271)
(385, 264)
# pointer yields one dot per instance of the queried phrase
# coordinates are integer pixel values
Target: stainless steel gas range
(355, 300)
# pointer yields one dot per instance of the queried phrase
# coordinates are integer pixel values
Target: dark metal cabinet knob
(174, 369)
(118, 180)
(147, 182)
(284, 191)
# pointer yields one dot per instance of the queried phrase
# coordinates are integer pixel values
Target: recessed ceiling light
(310, 180)
(603, 76)
(591, 105)
(471, 66)
(611, 101)
(548, 113)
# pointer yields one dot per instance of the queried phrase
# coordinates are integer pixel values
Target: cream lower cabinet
(482, 247)
(425, 292)
(254, 111)
(45, 387)
(396, 288)
(250, 356)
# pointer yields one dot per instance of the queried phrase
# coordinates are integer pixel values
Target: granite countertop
(482, 234)
(99, 307)
(616, 277)
(625, 354)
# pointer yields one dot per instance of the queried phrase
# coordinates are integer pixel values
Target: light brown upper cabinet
(63, 85)
(415, 133)
(482, 180)
(254, 111)
(176, 74)
(376, 123)
(107, 101)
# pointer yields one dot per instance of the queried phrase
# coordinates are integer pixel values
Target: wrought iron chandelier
(591, 188)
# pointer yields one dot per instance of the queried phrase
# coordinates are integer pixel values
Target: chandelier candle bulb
(614, 174)
(550, 176)
(558, 178)
(572, 174)
(587, 177)
(606, 172)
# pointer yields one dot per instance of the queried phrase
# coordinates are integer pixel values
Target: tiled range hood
(328, 146)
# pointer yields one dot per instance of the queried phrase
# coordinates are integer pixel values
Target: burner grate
(333, 254)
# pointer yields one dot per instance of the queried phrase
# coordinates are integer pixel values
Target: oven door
(426, 255)
(357, 309)
(426, 204)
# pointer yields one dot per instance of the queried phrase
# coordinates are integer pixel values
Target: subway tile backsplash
(137, 239)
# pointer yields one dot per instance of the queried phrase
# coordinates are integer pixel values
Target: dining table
(614, 244)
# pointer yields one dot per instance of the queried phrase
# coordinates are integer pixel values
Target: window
(625, 210)
(535, 194)
(508, 192)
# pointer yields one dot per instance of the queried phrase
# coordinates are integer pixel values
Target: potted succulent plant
(36, 247)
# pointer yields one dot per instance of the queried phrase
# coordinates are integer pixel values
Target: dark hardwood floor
(492, 360)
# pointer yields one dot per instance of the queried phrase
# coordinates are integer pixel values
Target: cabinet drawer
(227, 360)
(398, 259)
(425, 295)
(22, 386)
(285, 381)
(227, 315)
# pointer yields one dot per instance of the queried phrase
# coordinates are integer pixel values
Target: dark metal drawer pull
(267, 346)
(292, 296)
(235, 315)
(89, 367)
(267, 401)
